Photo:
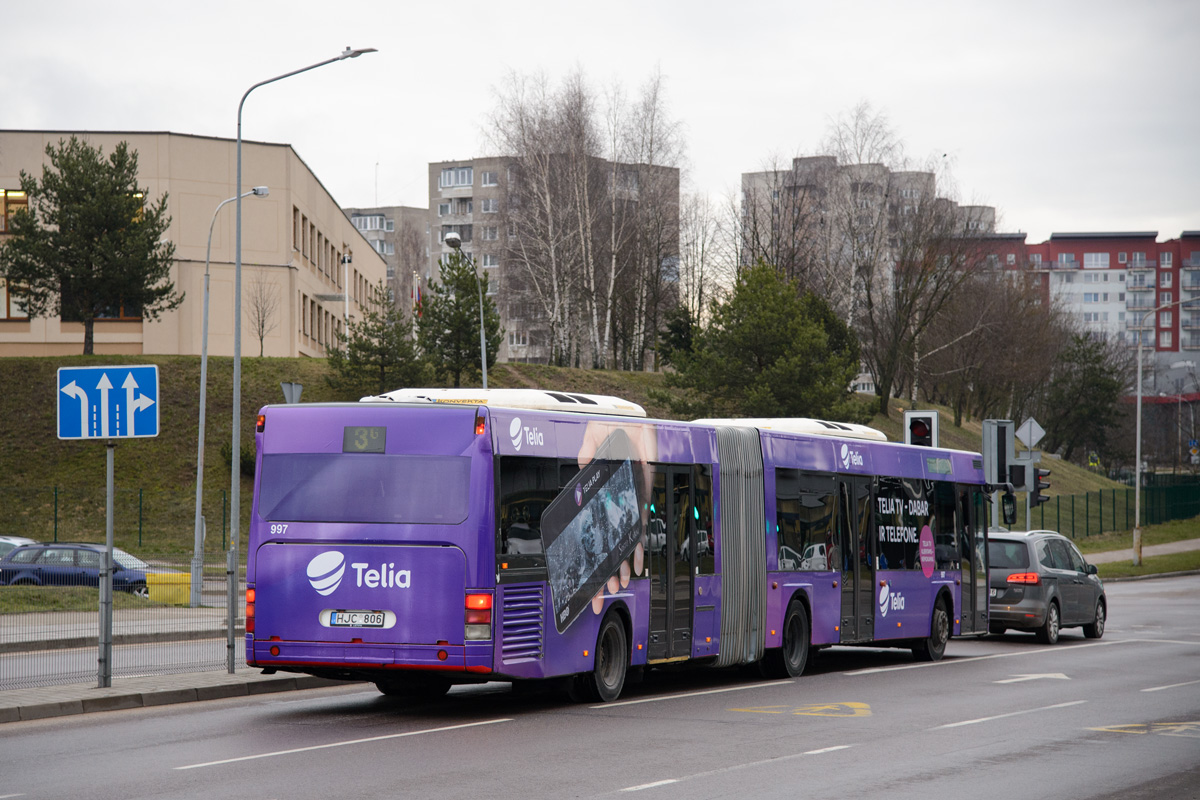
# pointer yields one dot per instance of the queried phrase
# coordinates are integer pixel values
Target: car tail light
(1025, 577)
(478, 616)
(249, 611)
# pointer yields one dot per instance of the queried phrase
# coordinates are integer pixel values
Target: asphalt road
(999, 717)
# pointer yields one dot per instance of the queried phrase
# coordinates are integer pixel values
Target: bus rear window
(336, 487)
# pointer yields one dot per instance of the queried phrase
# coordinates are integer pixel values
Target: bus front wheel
(605, 682)
(934, 647)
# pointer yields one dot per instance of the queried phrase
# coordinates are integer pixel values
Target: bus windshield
(337, 487)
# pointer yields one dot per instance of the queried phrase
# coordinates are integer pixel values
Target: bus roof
(535, 399)
(819, 427)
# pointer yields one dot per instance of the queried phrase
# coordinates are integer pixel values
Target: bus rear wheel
(934, 647)
(606, 681)
(789, 660)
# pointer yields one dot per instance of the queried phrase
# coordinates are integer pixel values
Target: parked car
(72, 564)
(1040, 582)
(8, 543)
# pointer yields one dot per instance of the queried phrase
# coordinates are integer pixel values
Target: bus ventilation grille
(522, 623)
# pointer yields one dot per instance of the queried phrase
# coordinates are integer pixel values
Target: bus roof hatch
(535, 399)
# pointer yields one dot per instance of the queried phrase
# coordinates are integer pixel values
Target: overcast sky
(1066, 116)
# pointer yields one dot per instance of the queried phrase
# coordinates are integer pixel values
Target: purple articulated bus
(426, 538)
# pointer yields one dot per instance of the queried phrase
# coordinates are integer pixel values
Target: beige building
(300, 251)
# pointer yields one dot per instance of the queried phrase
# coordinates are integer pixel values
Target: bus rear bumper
(474, 657)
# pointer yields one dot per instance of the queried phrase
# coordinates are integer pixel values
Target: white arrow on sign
(74, 390)
(131, 404)
(1058, 676)
(104, 385)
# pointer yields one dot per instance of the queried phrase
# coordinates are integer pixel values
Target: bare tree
(411, 259)
(262, 306)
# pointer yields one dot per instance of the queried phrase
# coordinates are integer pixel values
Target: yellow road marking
(814, 710)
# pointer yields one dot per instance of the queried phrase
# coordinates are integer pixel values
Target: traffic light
(1036, 498)
(921, 428)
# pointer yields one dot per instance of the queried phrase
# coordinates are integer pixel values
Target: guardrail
(50, 633)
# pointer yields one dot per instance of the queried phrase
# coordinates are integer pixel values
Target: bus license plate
(356, 619)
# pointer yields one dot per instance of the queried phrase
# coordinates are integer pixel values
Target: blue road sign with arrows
(108, 402)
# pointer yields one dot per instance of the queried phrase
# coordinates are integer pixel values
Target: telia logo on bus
(325, 573)
(326, 570)
(522, 435)
(851, 457)
(887, 600)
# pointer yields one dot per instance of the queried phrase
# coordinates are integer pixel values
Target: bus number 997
(278, 528)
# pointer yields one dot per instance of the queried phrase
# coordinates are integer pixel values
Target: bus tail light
(480, 425)
(478, 616)
(1031, 578)
(260, 423)
(250, 610)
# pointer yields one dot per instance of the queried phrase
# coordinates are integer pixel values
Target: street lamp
(455, 242)
(1137, 467)
(198, 548)
(235, 489)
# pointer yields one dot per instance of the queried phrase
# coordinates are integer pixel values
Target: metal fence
(1093, 513)
(50, 634)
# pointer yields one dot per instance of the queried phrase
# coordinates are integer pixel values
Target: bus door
(856, 547)
(671, 553)
(972, 547)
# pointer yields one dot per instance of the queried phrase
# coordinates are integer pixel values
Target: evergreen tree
(448, 324)
(377, 354)
(89, 245)
(1083, 400)
(769, 351)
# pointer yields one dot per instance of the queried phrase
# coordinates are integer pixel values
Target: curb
(115, 699)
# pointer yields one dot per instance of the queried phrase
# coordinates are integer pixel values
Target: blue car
(62, 564)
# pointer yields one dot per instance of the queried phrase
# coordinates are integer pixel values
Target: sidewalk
(1110, 556)
(54, 701)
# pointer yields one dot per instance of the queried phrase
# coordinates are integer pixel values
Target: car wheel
(1048, 633)
(996, 630)
(1096, 629)
(934, 647)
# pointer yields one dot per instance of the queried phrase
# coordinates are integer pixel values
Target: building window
(1010, 259)
(1164, 260)
(1164, 319)
(1165, 340)
(489, 179)
(491, 260)
(489, 205)
(1164, 298)
(1095, 260)
(1165, 280)
(11, 306)
(490, 233)
(443, 209)
(1035, 259)
(517, 338)
(390, 225)
(1139, 259)
(1122, 258)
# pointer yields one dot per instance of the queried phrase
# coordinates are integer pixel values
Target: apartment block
(305, 267)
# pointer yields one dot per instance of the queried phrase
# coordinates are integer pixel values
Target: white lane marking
(6, 796)
(649, 785)
(343, 744)
(736, 767)
(971, 659)
(1058, 676)
(1010, 714)
(1170, 686)
(692, 694)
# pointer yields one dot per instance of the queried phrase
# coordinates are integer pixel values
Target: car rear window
(1008, 555)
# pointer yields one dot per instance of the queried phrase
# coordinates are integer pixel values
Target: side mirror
(1092, 569)
(1008, 508)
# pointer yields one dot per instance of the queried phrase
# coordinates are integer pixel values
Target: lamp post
(235, 478)
(1137, 467)
(198, 547)
(455, 242)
